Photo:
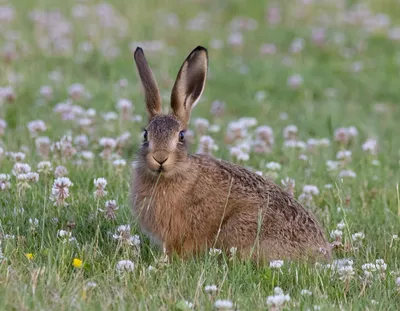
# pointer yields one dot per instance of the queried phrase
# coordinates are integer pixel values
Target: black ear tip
(200, 48)
(138, 50)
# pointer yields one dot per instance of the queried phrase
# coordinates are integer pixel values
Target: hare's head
(164, 147)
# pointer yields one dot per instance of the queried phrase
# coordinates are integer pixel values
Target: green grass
(368, 203)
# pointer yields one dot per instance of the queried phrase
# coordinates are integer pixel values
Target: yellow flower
(29, 256)
(77, 263)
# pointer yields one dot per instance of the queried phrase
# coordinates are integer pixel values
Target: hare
(189, 203)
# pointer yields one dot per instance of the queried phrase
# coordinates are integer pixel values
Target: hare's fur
(190, 203)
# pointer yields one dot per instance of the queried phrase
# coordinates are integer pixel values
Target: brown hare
(189, 203)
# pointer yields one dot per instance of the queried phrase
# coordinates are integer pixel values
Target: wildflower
(380, 265)
(212, 289)
(119, 164)
(370, 146)
(64, 147)
(294, 144)
(347, 173)
(288, 185)
(65, 236)
(217, 108)
(76, 91)
(278, 300)
(43, 146)
(29, 256)
(214, 252)
(77, 263)
(44, 167)
(276, 264)
(109, 211)
(4, 182)
(295, 81)
(60, 171)
(34, 223)
(201, 125)
(225, 305)
(60, 191)
(368, 269)
(207, 145)
(398, 282)
(21, 168)
(100, 184)
(46, 92)
(273, 166)
(290, 132)
(337, 234)
(232, 252)
(108, 145)
(125, 266)
(332, 165)
(35, 127)
(346, 271)
(311, 189)
(124, 235)
(344, 155)
(359, 236)
(305, 292)
(3, 125)
(344, 135)
(340, 225)
(125, 107)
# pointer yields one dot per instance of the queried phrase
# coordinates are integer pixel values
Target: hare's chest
(161, 216)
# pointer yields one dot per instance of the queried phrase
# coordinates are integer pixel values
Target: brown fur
(194, 202)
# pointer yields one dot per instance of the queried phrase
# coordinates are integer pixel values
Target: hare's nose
(160, 157)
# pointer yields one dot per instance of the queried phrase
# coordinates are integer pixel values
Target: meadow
(304, 92)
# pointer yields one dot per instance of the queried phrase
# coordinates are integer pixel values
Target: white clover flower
(332, 165)
(211, 289)
(359, 236)
(35, 127)
(295, 144)
(201, 125)
(273, 166)
(380, 265)
(336, 234)
(398, 282)
(344, 155)
(44, 167)
(368, 269)
(225, 305)
(4, 182)
(60, 191)
(305, 292)
(21, 168)
(100, 184)
(340, 225)
(311, 189)
(125, 266)
(370, 146)
(276, 264)
(347, 173)
(60, 171)
(278, 299)
(215, 252)
(124, 104)
(290, 132)
(119, 164)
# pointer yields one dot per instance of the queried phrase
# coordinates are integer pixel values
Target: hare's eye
(181, 136)
(145, 135)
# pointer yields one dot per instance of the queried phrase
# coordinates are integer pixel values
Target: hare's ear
(189, 84)
(151, 92)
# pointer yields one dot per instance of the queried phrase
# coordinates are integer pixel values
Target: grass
(368, 203)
